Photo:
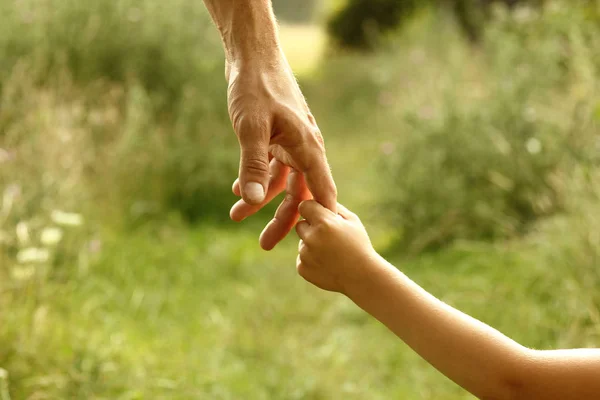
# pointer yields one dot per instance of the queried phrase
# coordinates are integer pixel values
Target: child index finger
(313, 212)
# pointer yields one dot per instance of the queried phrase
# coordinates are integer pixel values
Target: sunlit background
(465, 133)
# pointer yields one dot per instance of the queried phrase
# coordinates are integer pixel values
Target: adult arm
(281, 145)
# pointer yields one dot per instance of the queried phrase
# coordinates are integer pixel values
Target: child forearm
(335, 254)
(475, 356)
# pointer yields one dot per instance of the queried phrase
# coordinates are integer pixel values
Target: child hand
(334, 250)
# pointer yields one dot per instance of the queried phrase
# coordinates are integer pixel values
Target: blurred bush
(360, 24)
(130, 87)
(573, 241)
(490, 169)
(164, 47)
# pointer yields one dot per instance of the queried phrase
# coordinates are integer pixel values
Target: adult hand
(271, 119)
(281, 145)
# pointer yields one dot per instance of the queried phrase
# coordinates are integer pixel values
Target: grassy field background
(122, 278)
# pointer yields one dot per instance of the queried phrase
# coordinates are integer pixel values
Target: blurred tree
(472, 15)
(360, 23)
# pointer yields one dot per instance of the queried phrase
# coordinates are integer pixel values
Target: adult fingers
(236, 187)
(314, 212)
(311, 158)
(318, 174)
(287, 214)
(278, 172)
(305, 145)
(254, 161)
(320, 182)
(236, 184)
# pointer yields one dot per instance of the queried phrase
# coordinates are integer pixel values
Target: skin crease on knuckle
(304, 253)
(315, 161)
(327, 226)
(289, 129)
(256, 164)
(247, 117)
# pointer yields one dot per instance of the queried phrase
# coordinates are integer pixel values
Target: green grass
(146, 305)
(175, 313)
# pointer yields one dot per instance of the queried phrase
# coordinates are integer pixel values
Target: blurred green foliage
(360, 24)
(490, 169)
(165, 47)
(145, 97)
(114, 136)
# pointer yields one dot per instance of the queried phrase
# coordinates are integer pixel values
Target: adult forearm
(248, 28)
(472, 354)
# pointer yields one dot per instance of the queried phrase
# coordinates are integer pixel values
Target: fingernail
(254, 192)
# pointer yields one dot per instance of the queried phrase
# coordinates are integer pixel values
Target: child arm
(336, 254)
(477, 357)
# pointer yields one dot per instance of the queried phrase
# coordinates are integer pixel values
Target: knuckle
(333, 190)
(256, 165)
(328, 224)
(303, 253)
(298, 229)
(319, 137)
(303, 208)
(323, 228)
(312, 137)
(310, 240)
(248, 121)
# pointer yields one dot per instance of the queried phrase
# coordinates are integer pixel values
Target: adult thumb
(254, 165)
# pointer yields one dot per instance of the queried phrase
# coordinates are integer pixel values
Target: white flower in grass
(22, 273)
(22, 231)
(51, 236)
(533, 145)
(524, 14)
(33, 255)
(66, 218)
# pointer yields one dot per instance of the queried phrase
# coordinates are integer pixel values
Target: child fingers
(302, 229)
(313, 212)
(287, 214)
(345, 213)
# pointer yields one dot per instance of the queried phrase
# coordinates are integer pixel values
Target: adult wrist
(273, 63)
(250, 33)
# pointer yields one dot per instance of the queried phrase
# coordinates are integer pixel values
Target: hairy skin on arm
(270, 118)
